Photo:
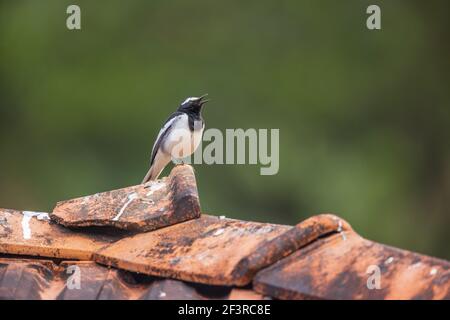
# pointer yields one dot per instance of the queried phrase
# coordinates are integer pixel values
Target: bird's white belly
(181, 141)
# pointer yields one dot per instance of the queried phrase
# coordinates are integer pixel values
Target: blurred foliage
(363, 115)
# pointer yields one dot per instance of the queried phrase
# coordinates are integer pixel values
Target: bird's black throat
(194, 115)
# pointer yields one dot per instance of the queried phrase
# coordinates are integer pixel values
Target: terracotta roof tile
(34, 279)
(32, 233)
(340, 266)
(141, 208)
(206, 250)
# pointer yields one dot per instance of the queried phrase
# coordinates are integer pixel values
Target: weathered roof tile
(34, 279)
(141, 208)
(32, 233)
(207, 250)
(343, 266)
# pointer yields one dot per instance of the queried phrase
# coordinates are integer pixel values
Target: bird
(179, 137)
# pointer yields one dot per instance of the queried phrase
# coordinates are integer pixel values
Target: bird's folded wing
(163, 134)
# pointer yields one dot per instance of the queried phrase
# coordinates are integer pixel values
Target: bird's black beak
(202, 100)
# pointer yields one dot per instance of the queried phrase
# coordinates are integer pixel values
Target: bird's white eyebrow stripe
(189, 99)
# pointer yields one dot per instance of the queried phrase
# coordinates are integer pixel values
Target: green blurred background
(363, 115)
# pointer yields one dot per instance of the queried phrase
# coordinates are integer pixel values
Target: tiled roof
(151, 242)
(44, 279)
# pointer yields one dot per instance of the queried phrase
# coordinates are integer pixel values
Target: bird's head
(193, 104)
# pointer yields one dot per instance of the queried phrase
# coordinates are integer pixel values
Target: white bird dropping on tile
(27, 215)
(131, 197)
(155, 187)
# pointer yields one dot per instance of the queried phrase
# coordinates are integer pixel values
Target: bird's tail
(160, 161)
(149, 176)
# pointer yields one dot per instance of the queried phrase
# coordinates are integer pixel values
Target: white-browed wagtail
(179, 137)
